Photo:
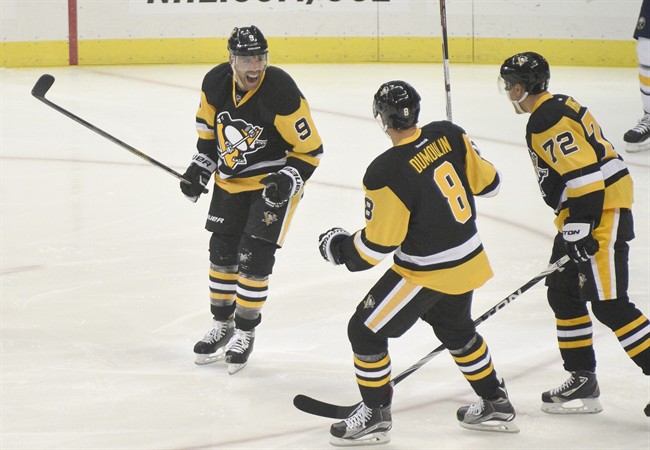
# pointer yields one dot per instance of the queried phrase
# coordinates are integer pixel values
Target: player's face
(514, 92)
(249, 69)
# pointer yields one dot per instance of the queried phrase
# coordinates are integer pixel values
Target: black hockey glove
(198, 174)
(328, 245)
(280, 186)
(580, 244)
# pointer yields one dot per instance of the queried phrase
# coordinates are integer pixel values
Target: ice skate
(239, 349)
(211, 348)
(638, 138)
(493, 414)
(365, 426)
(577, 395)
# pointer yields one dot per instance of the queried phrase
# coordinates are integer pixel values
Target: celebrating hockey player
(257, 136)
(589, 187)
(419, 204)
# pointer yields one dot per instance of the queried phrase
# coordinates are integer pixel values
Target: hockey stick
(445, 55)
(45, 82)
(312, 406)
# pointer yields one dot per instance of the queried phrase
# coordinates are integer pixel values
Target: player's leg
(264, 233)
(390, 308)
(638, 137)
(452, 323)
(226, 222)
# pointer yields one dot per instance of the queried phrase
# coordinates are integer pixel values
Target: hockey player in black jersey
(590, 189)
(420, 207)
(257, 136)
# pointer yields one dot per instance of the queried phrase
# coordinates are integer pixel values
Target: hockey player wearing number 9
(257, 137)
(588, 185)
(420, 206)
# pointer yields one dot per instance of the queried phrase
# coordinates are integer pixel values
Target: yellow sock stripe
(482, 374)
(572, 322)
(223, 275)
(644, 80)
(471, 357)
(630, 326)
(251, 305)
(372, 365)
(253, 283)
(576, 344)
(384, 381)
(639, 348)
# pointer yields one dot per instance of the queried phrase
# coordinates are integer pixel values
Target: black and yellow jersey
(250, 134)
(420, 205)
(578, 171)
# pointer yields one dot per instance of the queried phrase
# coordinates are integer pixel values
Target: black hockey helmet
(397, 103)
(529, 69)
(247, 41)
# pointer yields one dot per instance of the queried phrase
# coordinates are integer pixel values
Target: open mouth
(252, 77)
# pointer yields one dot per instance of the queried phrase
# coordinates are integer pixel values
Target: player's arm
(204, 162)
(565, 148)
(299, 131)
(387, 220)
(483, 177)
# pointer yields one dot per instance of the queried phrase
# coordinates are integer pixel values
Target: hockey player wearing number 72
(590, 189)
(420, 206)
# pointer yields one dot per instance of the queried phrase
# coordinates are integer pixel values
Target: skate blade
(580, 406)
(370, 439)
(234, 368)
(202, 360)
(498, 426)
(638, 147)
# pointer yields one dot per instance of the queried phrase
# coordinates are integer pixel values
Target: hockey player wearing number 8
(420, 206)
(256, 132)
(590, 189)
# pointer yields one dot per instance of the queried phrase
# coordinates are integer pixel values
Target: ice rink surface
(104, 269)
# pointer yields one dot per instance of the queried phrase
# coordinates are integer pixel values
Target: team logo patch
(640, 25)
(269, 217)
(541, 172)
(236, 139)
(369, 302)
(582, 280)
(521, 60)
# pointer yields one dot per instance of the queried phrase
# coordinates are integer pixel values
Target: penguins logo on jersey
(269, 218)
(236, 138)
(369, 302)
(541, 173)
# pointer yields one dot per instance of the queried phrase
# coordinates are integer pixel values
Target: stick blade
(43, 84)
(316, 407)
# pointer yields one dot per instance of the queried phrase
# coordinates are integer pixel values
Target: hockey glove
(280, 186)
(328, 245)
(198, 174)
(580, 244)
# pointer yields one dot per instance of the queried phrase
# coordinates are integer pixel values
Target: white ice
(104, 272)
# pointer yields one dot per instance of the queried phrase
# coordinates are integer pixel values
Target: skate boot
(365, 426)
(211, 347)
(638, 138)
(577, 395)
(239, 349)
(489, 414)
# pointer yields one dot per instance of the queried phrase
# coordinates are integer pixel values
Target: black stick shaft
(43, 85)
(319, 408)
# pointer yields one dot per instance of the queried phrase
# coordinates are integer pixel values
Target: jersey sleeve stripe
(457, 253)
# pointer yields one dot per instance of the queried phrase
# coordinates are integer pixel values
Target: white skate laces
(359, 419)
